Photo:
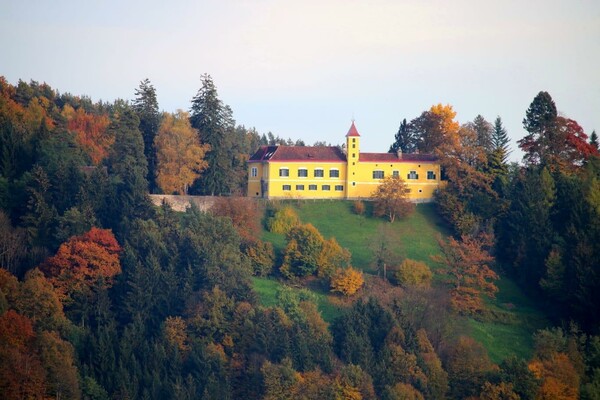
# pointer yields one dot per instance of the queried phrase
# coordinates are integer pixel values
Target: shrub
(413, 273)
(358, 207)
(347, 281)
(261, 256)
(283, 220)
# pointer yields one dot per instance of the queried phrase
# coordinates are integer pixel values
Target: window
(353, 140)
(254, 172)
(396, 174)
(302, 172)
(319, 172)
(339, 188)
(287, 187)
(353, 183)
(334, 173)
(284, 172)
(312, 187)
(325, 187)
(377, 174)
(299, 187)
(353, 146)
(430, 175)
(413, 175)
(353, 155)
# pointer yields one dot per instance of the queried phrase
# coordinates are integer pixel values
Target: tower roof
(353, 131)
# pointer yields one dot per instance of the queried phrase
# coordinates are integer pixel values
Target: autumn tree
(347, 281)
(332, 257)
(413, 273)
(553, 141)
(91, 132)
(245, 215)
(301, 254)
(391, 199)
(180, 156)
(467, 262)
(84, 262)
(283, 220)
(12, 244)
(145, 105)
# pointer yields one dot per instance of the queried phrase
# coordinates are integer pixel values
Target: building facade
(291, 172)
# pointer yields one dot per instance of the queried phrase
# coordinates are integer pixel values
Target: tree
(347, 281)
(500, 139)
(405, 140)
(553, 141)
(283, 220)
(301, 254)
(58, 359)
(214, 123)
(84, 262)
(413, 273)
(91, 132)
(332, 257)
(391, 199)
(484, 132)
(467, 262)
(12, 244)
(594, 140)
(145, 106)
(245, 215)
(179, 154)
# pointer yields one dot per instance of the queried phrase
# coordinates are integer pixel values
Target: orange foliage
(83, 261)
(21, 373)
(244, 213)
(91, 132)
(347, 281)
(467, 262)
(560, 380)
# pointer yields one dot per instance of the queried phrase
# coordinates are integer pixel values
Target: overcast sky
(304, 69)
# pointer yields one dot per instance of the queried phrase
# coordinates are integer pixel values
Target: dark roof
(353, 131)
(393, 157)
(298, 153)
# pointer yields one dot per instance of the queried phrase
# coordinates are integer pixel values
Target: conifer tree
(594, 140)
(214, 122)
(484, 132)
(146, 107)
(404, 140)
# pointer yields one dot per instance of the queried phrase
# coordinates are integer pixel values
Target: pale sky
(304, 69)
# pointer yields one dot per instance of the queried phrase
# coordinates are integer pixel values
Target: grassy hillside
(513, 317)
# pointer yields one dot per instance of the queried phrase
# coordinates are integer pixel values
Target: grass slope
(515, 316)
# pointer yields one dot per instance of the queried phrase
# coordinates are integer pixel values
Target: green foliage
(283, 220)
(301, 255)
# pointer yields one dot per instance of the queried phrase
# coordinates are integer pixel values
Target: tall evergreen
(146, 107)
(214, 122)
(594, 139)
(540, 122)
(498, 156)
(404, 140)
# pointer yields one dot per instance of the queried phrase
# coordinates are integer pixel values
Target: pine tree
(500, 139)
(146, 108)
(404, 140)
(540, 122)
(214, 122)
(594, 139)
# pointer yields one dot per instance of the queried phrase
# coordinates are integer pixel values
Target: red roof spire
(353, 131)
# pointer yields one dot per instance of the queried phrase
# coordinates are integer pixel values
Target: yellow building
(280, 172)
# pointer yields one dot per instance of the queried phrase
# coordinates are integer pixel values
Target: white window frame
(432, 173)
(326, 188)
(322, 173)
(313, 187)
(299, 187)
(337, 172)
(339, 188)
(382, 173)
(287, 172)
(412, 175)
(253, 172)
(302, 169)
(287, 188)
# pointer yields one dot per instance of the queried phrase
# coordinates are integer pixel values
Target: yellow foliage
(347, 281)
(283, 220)
(179, 152)
(413, 273)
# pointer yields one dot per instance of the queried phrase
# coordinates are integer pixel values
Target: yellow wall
(270, 173)
(357, 180)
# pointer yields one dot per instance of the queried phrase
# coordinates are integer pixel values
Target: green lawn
(512, 317)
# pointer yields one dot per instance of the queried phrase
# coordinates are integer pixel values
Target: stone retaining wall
(180, 203)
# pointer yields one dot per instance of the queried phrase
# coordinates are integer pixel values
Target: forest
(105, 296)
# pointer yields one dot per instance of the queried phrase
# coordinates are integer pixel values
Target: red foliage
(83, 261)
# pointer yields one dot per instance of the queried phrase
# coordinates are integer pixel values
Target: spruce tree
(540, 122)
(404, 139)
(594, 139)
(214, 122)
(146, 108)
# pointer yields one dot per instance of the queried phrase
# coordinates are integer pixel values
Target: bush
(347, 281)
(413, 273)
(261, 256)
(283, 221)
(358, 207)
